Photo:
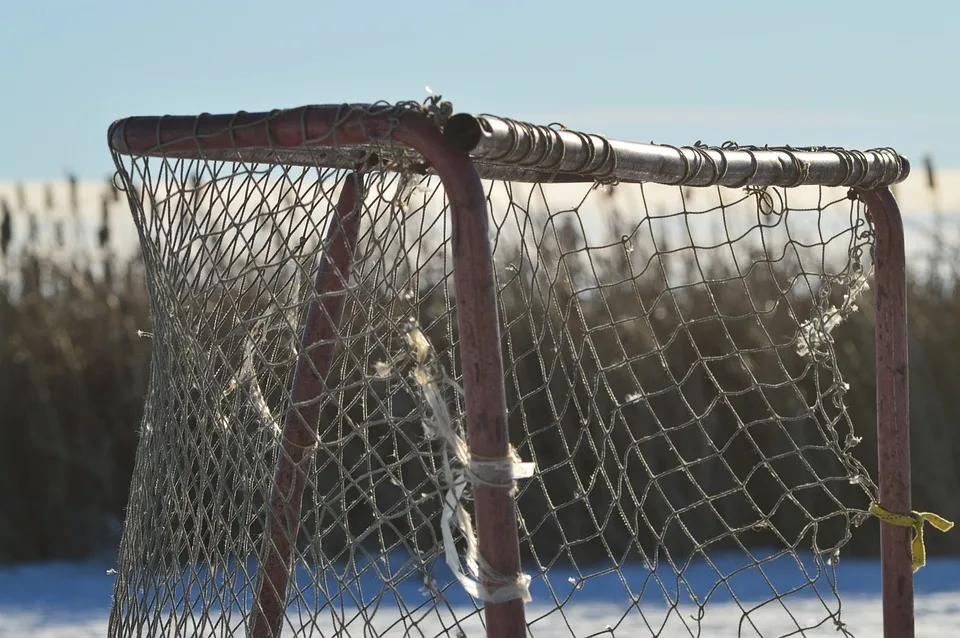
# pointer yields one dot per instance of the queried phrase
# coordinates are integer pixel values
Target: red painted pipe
(301, 425)
(893, 410)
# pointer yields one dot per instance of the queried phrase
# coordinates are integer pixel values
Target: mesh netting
(669, 372)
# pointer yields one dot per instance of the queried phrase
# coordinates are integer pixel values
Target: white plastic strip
(478, 579)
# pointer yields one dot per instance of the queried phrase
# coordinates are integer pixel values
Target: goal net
(679, 453)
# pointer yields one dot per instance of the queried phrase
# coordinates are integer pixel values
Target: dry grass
(73, 375)
(72, 378)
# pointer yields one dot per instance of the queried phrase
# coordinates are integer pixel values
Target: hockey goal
(425, 374)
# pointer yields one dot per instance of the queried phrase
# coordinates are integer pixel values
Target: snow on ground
(61, 600)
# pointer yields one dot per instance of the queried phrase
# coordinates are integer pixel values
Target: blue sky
(854, 73)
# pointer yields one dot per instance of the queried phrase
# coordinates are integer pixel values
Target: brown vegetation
(73, 375)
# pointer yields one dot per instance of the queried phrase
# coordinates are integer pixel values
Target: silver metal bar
(508, 149)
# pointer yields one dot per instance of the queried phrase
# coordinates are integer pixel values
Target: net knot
(916, 521)
(438, 109)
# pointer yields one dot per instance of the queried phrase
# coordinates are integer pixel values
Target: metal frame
(499, 148)
(460, 151)
(301, 426)
(893, 410)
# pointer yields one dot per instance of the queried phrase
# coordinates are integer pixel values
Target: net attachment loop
(520, 151)
(499, 472)
(915, 520)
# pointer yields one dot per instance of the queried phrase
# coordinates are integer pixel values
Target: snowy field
(72, 601)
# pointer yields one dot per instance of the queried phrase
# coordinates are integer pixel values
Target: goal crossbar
(501, 148)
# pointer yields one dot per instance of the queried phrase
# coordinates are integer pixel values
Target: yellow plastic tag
(916, 521)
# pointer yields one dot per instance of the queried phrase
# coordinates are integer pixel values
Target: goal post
(425, 373)
(300, 426)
